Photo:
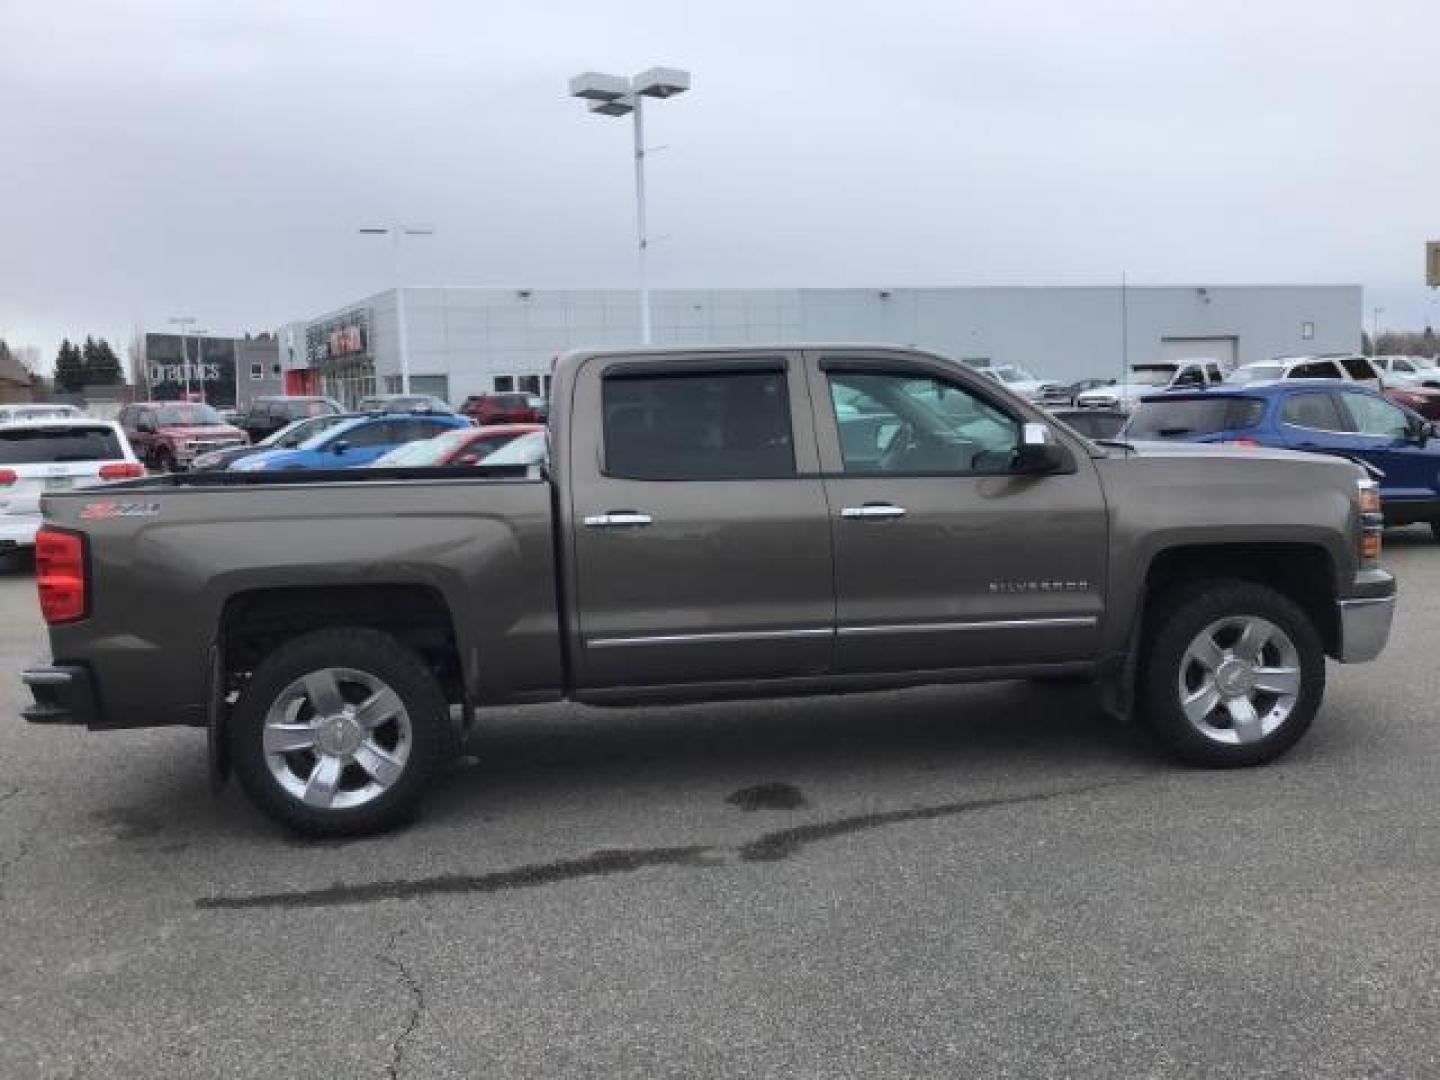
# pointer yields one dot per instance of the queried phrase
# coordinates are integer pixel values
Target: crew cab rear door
(944, 558)
(700, 533)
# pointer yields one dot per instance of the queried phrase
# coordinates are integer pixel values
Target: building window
(530, 384)
(257, 372)
(504, 383)
(1307, 330)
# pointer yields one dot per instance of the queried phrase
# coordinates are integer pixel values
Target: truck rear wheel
(338, 732)
(1233, 673)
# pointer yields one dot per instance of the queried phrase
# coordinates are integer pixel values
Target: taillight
(122, 470)
(8, 477)
(60, 575)
(1372, 522)
(1248, 444)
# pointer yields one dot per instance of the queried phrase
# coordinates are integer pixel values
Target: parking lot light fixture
(402, 337)
(615, 95)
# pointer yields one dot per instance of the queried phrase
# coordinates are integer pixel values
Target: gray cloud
(170, 157)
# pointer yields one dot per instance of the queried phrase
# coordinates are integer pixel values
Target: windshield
(1012, 373)
(1153, 375)
(293, 434)
(1255, 373)
(187, 414)
(526, 450)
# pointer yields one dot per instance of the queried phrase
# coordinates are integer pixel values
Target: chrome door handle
(617, 519)
(873, 510)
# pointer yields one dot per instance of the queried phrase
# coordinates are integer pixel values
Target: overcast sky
(169, 157)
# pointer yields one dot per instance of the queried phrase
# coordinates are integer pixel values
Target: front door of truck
(945, 557)
(700, 533)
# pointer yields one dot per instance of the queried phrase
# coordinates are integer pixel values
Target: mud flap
(219, 745)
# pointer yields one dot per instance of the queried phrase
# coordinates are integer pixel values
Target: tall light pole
(1375, 314)
(615, 95)
(184, 321)
(402, 337)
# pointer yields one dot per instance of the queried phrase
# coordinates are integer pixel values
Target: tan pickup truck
(710, 523)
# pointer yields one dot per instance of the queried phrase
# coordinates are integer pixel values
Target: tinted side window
(376, 434)
(34, 445)
(1319, 369)
(1358, 367)
(1373, 416)
(702, 426)
(1317, 411)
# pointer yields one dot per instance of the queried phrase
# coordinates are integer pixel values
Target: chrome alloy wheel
(337, 738)
(1239, 680)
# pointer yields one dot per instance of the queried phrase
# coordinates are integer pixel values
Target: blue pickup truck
(1323, 416)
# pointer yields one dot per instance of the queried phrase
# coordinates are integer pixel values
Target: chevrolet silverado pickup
(709, 523)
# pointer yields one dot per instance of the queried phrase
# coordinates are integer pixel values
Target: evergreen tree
(69, 368)
(101, 365)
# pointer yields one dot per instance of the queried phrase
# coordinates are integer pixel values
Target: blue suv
(355, 442)
(1321, 415)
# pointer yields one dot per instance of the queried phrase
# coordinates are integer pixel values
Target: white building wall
(472, 335)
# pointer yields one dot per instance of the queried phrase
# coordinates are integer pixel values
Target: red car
(1421, 399)
(467, 446)
(491, 409)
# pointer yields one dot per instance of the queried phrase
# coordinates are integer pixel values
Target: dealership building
(464, 341)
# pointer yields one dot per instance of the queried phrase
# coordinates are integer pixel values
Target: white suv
(37, 456)
(1347, 368)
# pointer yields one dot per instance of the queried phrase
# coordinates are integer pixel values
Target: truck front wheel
(338, 732)
(1233, 673)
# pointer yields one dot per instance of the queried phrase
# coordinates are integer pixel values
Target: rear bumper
(18, 530)
(64, 694)
(1365, 627)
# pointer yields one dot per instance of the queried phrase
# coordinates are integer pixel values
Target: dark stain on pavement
(769, 847)
(597, 864)
(783, 843)
(773, 796)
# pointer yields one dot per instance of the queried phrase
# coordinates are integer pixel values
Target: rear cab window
(706, 425)
(1358, 368)
(1185, 417)
(21, 446)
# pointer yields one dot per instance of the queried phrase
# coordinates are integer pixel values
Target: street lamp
(184, 321)
(1375, 314)
(402, 338)
(615, 95)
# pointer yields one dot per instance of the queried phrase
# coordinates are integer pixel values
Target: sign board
(346, 335)
(191, 368)
(1432, 264)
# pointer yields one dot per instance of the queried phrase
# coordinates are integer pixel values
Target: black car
(267, 415)
(287, 438)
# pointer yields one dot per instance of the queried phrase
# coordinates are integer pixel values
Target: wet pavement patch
(773, 796)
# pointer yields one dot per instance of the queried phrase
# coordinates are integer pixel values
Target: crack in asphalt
(417, 1005)
(768, 847)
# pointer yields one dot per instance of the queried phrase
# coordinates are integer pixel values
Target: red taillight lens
(124, 470)
(60, 575)
(8, 477)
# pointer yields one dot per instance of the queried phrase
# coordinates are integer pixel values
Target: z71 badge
(1039, 586)
(105, 511)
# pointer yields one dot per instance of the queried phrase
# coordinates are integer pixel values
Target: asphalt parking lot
(975, 881)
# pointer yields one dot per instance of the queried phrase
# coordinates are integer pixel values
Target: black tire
(1435, 529)
(164, 461)
(377, 656)
(1177, 620)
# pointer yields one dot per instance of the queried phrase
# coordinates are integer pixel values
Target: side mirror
(338, 448)
(468, 459)
(145, 427)
(1038, 453)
